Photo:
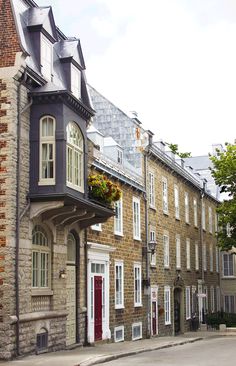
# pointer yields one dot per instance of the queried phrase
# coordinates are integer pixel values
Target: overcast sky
(171, 61)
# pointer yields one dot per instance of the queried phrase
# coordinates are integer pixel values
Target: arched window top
(39, 236)
(74, 135)
(71, 248)
(47, 126)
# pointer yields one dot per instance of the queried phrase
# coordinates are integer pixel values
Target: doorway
(177, 310)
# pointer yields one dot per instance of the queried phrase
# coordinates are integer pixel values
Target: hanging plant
(103, 189)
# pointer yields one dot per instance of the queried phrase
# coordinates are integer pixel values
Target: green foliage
(102, 189)
(224, 173)
(175, 149)
(215, 319)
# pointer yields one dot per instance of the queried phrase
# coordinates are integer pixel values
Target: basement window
(42, 341)
(136, 331)
(119, 334)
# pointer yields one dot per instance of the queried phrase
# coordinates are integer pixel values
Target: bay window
(47, 151)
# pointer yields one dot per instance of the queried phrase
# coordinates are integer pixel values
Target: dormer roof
(71, 49)
(42, 17)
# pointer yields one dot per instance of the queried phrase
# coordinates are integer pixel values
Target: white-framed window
(229, 303)
(136, 218)
(152, 256)
(75, 157)
(137, 284)
(195, 212)
(218, 302)
(203, 216)
(151, 189)
(188, 302)
(46, 57)
(96, 227)
(211, 257)
(137, 331)
(176, 200)
(178, 252)
(188, 254)
(119, 156)
(119, 333)
(196, 256)
(186, 204)
(118, 219)
(210, 219)
(165, 195)
(166, 251)
(217, 259)
(194, 299)
(216, 223)
(228, 264)
(167, 305)
(205, 299)
(119, 284)
(204, 257)
(75, 81)
(47, 170)
(212, 295)
(41, 259)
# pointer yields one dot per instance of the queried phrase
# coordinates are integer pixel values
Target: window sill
(47, 182)
(137, 239)
(166, 213)
(228, 277)
(118, 234)
(138, 305)
(167, 267)
(153, 265)
(187, 223)
(76, 188)
(41, 292)
(177, 218)
(168, 323)
(119, 307)
(152, 207)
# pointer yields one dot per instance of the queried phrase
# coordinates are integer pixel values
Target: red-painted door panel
(98, 307)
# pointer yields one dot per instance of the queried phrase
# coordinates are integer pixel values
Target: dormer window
(75, 81)
(46, 58)
(120, 156)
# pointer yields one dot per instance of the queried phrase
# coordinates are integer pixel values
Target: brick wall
(9, 41)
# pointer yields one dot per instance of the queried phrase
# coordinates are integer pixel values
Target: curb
(107, 358)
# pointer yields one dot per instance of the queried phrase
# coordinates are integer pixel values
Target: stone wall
(129, 251)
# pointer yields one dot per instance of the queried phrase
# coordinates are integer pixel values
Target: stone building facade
(181, 219)
(124, 236)
(44, 203)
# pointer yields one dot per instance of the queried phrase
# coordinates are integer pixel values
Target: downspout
(148, 281)
(19, 215)
(202, 195)
(86, 285)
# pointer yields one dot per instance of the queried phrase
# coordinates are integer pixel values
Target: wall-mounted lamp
(152, 246)
(62, 273)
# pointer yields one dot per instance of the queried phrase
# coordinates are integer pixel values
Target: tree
(224, 173)
(175, 149)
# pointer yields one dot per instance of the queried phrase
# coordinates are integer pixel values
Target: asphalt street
(208, 352)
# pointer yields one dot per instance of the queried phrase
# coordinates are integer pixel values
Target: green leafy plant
(103, 189)
(175, 150)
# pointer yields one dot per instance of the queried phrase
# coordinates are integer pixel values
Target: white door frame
(154, 297)
(100, 254)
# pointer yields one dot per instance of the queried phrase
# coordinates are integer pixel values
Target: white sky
(172, 61)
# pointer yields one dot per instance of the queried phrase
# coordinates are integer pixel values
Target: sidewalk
(86, 356)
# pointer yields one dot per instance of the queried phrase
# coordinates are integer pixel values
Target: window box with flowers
(102, 189)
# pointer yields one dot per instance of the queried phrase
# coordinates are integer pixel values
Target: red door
(98, 307)
(154, 318)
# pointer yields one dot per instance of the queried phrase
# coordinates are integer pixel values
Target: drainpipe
(86, 285)
(19, 215)
(148, 281)
(202, 195)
